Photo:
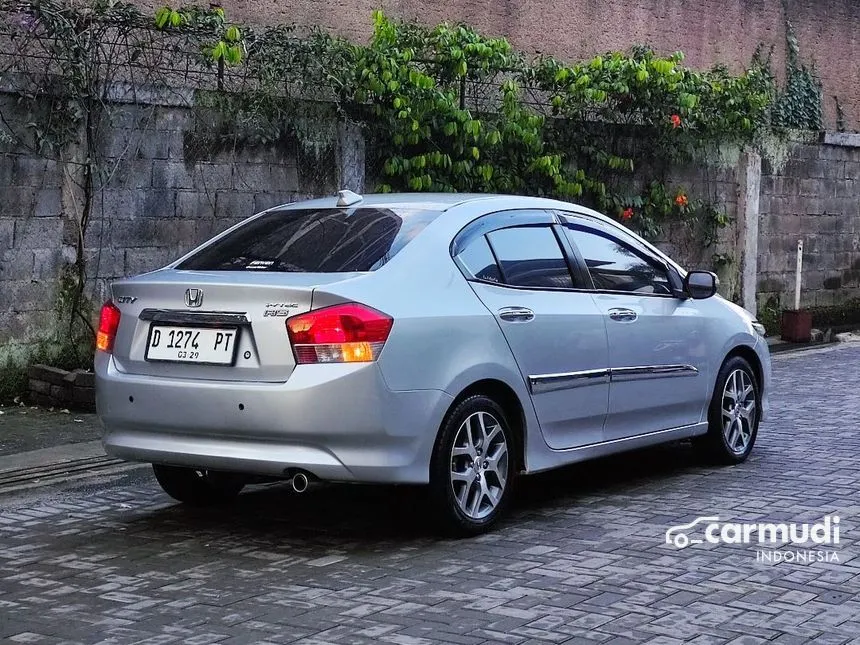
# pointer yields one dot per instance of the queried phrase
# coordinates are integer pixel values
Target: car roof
(434, 201)
(424, 201)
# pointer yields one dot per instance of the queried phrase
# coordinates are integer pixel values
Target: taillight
(349, 333)
(108, 324)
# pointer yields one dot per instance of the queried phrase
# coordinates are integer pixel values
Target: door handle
(623, 315)
(516, 314)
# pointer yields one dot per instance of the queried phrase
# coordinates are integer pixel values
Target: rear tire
(198, 487)
(473, 467)
(734, 414)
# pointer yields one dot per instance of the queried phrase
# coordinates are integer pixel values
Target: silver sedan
(451, 340)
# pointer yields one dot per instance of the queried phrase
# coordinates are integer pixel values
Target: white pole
(797, 275)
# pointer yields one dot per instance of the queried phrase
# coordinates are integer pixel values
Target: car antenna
(347, 198)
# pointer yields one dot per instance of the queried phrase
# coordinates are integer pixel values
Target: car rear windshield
(327, 240)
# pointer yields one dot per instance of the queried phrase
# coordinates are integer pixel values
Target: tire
(198, 487)
(473, 502)
(732, 424)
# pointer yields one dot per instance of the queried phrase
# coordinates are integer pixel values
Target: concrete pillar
(749, 188)
(350, 157)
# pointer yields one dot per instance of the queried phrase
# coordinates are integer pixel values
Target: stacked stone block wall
(815, 197)
(160, 199)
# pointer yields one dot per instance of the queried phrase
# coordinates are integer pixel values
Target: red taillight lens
(108, 324)
(347, 333)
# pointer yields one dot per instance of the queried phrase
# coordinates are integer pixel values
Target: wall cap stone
(846, 139)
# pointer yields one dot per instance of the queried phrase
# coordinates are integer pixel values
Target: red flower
(681, 200)
(676, 121)
(627, 213)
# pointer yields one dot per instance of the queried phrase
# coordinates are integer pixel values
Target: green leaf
(162, 16)
(219, 50)
(233, 54)
(233, 35)
(687, 100)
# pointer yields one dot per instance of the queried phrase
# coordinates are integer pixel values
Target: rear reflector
(108, 324)
(349, 333)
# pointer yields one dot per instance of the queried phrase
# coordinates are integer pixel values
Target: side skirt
(555, 458)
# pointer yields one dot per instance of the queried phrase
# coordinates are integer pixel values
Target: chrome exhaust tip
(299, 482)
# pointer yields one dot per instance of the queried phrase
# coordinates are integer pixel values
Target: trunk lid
(254, 305)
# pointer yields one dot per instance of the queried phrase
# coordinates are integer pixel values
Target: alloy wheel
(479, 465)
(738, 411)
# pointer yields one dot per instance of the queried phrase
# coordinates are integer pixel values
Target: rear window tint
(531, 257)
(479, 261)
(329, 240)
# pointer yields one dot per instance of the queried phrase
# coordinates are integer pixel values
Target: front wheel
(473, 466)
(734, 414)
(198, 487)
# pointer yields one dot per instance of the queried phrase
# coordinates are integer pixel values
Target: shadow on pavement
(366, 517)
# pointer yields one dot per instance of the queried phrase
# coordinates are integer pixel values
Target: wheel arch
(507, 398)
(749, 354)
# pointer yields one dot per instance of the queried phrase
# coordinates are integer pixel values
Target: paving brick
(581, 558)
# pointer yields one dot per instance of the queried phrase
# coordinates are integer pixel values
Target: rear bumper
(338, 422)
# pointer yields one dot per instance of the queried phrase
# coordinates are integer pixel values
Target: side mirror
(701, 284)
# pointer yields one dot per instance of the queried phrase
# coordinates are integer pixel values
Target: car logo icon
(193, 297)
(677, 536)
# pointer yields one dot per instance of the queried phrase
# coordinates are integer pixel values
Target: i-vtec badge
(279, 309)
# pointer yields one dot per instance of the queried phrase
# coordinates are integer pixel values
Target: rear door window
(479, 261)
(530, 256)
(327, 240)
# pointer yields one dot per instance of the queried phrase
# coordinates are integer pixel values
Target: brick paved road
(582, 558)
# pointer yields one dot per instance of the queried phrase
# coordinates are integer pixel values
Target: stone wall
(163, 194)
(814, 197)
(161, 197)
(707, 31)
(31, 236)
(683, 240)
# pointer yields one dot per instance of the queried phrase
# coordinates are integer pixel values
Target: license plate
(192, 344)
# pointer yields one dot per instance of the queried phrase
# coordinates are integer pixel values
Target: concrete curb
(53, 456)
(58, 465)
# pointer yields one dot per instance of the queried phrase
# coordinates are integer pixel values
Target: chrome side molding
(651, 371)
(542, 383)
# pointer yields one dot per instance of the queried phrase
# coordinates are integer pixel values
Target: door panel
(658, 364)
(562, 353)
(557, 335)
(657, 347)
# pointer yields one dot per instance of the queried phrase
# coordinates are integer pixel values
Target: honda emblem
(194, 297)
